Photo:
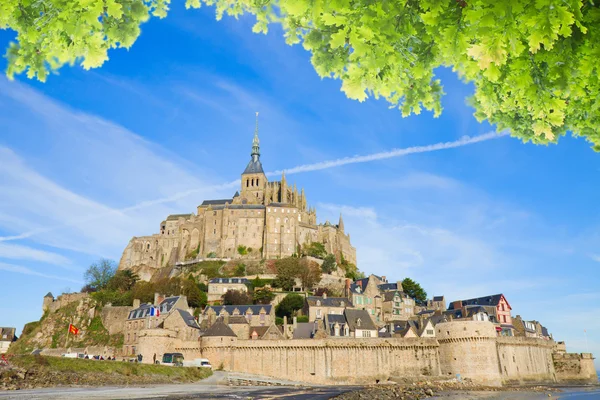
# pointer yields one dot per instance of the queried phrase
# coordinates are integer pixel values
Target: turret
(283, 190)
(341, 224)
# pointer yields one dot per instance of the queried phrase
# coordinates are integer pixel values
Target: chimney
(285, 326)
(384, 280)
(158, 298)
(391, 328)
(399, 285)
(457, 305)
(295, 322)
(136, 303)
(347, 288)
(324, 295)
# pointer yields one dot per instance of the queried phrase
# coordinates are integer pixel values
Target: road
(214, 387)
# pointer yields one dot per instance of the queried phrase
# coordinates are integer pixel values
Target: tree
(100, 273)
(286, 283)
(532, 62)
(310, 274)
(236, 297)
(414, 290)
(315, 249)
(123, 280)
(329, 264)
(263, 296)
(289, 305)
(144, 291)
(195, 297)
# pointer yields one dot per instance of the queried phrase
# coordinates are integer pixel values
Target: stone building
(496, 307)
(149, 316)
(217, 287)
(397, 306)
(366, 294)
(7, 336)
(316, 307)
(255, 315)
(264, 219)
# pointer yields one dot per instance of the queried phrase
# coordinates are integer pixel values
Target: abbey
(262, 220)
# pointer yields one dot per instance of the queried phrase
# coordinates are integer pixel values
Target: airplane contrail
(463, 141)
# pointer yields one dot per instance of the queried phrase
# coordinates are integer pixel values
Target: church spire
(255, 142)
(341, 224)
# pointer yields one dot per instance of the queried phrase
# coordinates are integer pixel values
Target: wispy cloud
(18, 252)
(27, 271)
(464, 141)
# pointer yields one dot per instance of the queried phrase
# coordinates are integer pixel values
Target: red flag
(73, 329)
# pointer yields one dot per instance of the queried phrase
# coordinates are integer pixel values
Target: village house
(256, 315)
(397, 306)
(497, 308)
(148, 316)
(270, 332)
(366, 295)
(359, 324)
(316, 307)
(7, 336)
(183, 324)
(217, 287)
(524, 328)
(438, 303)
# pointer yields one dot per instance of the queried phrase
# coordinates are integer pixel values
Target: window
(504, 318)
(366, 333)
(430, 331)
(214, 231)
(319, 313)
(256, 181)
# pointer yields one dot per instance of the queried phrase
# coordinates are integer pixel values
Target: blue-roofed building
(217, 287)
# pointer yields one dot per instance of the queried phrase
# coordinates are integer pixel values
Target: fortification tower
(468, 348)
(254, 179)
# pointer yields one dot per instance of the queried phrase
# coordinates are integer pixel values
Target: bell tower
(254, 180)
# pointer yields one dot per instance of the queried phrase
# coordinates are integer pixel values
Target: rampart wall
(62, 300)
(523, 360)
(326, 361)
(575, 367)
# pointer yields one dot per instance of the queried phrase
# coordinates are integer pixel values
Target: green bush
(278, 321)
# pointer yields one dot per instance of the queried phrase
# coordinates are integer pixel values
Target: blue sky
(91, 158)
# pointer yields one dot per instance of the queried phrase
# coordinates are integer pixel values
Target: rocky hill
(50, 332)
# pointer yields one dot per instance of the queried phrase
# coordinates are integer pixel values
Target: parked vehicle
(72, 355)
(198, 362)
(172, 359)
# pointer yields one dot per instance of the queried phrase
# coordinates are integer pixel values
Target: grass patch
(208, 268)
(80, 367)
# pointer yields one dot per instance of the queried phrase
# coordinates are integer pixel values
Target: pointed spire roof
(341, 224)
(255, 166)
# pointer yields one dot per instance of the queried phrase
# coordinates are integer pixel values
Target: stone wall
(325, 361)
(523, 360)
(62, 300)
(575, 368)
(113, 318)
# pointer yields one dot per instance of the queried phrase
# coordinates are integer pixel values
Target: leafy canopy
(532, 62)
(414, 290)
(289, 305)
(99, 274)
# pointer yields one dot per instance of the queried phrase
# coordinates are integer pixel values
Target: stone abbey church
(271, 219)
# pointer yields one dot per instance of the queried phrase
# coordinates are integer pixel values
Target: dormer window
(358, 322)
(342, 304)
(318, 303)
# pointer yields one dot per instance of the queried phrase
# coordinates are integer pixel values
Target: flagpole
(68, 331)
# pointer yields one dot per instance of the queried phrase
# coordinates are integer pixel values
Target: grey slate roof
(188, 319)
(219, 328)
(328, 302)
(480, 301)
(140, 312)
(254, 167)
(174, 217)
(388, 286)
(304, 330)
(353, 317)
(49, 294)
(237, 319)
(229, 280)
(243, 309)
(216, 202)
(389, 296)
(167, 304)
(438, 298)
(239, 207)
